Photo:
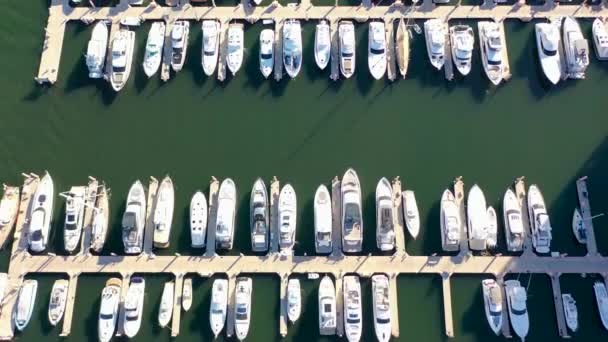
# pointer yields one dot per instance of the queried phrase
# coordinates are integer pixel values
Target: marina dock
(150, 206)
(448, 67)
(69, 305)
(177, 304)
(585, 208)
(283, 300)
(394, 303)
(278, 48)
(275, 190)
(336, 210)
(459, 196)
(231, 304)
(520, 193)
(559, 306)
(126, 280)
(506, 71)
(87, 227)
(335, 58)
(506, 328)
(398, 222)
(214, 185)
(221, 62)
(165, 67)
(391, 65)
(447, 305)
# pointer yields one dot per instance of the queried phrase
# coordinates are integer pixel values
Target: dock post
(335, 58)
(459, 197)
(213, 193)
(585, 208)
(87, 229)
(506, 329)
(398, 218)
(151, 206)
(69, 306)
(231, 304)
(283, 315)
(10, 300)
(278, 48)
(559, 306)
(520, 193)
(447, 305)
(177, 304)
(336, 209)
(124, 287)
(275, 189)
(391, 66)
(339, 305)
(392, 293)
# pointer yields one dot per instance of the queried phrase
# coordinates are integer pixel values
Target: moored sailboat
(402, 47)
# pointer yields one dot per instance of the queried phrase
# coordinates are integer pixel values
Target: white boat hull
(41, 214)
(198, 219)
(163, 213)
(323, 221)
(154, 48)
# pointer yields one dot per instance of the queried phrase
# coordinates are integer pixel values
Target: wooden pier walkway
(87, 228)
(278, 50)
(213, 193)
(231, 303)
(283, 302)
(459, 196)
(69, 305)
(391, 65)
(447, 305)
(335, 48)
(585, 209)
(150, 207)
(275, 190)
(394, 304)
(398, 221)
(336, 217)
(165, 67)
(562, 329)
(448, 66)
(506, 71)
(177, 304)
(520, 193)
(505, 329)
(221, 63)
(124, 288)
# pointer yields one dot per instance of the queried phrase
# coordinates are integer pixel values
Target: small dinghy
(570, 311)
(59, 295)
(166, 304)
(411, 213)
(187, 294)
(322, 44)
(294, 300)
(578, 227)
(198, 219)
(492, 299)
(25, 304)
(492, 228)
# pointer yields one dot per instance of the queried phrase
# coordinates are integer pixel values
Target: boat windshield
(106, 316)
(210, 53)
(119, 69)
(327, 308)
(241, 313)
(383, 320)
(549, 51)
(352, 219)
(354, 320)
(266, 56)
(519, 312)
(347, 54)
(494, 62)
(217, 311)
(37, 235)
(377, 51)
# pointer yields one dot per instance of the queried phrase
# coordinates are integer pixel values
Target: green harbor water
(305, 131)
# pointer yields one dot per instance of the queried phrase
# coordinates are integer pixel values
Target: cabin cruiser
(226, 210)
(352, 216)
(410, 213)
(179, 44)
(234, 58)
(346, 38)
(382, 309)
(323, 220)
(434, 33)
(122, 58)
(154, 48)
(514, 229)
(352, 308)
(294, 300)
(97, 49)
(266, 52)
(198, 219)
(385, 229)
(101, 219)
(59, 295)
(242, 307)
(9, 207)
(539, 221)
(491, 50)
(492, 300)
(450, 222)
(462, 40)
(547, 43)
(322, 44)
(492, 228)
(259, 216)
(219, 305)
(25, 303)
(327, 307)
(187, 294)
(166, 304)
(376, 49)
(292, 47)
(402, 47)
(601, 296)
(133, 220)
(74, 217)
(163, 213)
(578, 227)
(600, 39)
(41, 214)
(518, 311)
(576, 48)
(570, 311)
(108, 310)
(133, 306)
(477, 219)
(288, 208)
(211, 45)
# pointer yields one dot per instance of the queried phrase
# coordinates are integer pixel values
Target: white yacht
(382, 308)
(9, 207)
(352, 308)
(518, 311)
(154, 48)
(163, 213)
(226, 211)
(346, 38)
(134, 219)
(376, 49)
(576, 48)
(122, 58)
(242, 307)
(450, 222)
(187, 294)
(59, 296)
(601, 296)
(198, 219)
(327, 307)
(492, 228)
(578, 227)
(539, 221)
(411, 213)
(234, 58)
(259, 216)
(492, 300)
(288, 209)
(219, 305)
(462, 40)
(294, 299)
(434, 34)
(41, 214)
(570, 311)
(97, 49)
(491, 47)
(292, 47)
(179, 44)
(514, 228)
(101, 219)
(352, 216)
(211, 45)
(25, 303)
(165, 310)
(74, 217)
(385, 229)
(266, 52)
(547, 43)
(600, 39)
(133, 306)
(323, 220)
(108, 310)
(402, 47)
(322, 44)
(477, 217)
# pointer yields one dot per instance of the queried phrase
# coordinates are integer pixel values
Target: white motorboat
(322, 44)
(133, 219)
(352, 216)
(211, 45)
(382, 308)
(9, 207)
(600, 39)
(462, 41)
(154, 48)
(219, 305)
(477, 217)
(101, 219)
(242, 307)
(123, 47)
(492, 228)
(576, 48)
(514, 228)
(547, 43)
(327, 307)
(601, 297)
(97, 49)
(198, 219)
(385, 229)
(294, 299)
(108, 310)
(259, 216)
(323, 220)
(352, 308)
(179, 44)
(266, 52)
(570, 311)
(166, 304)
(163, 213)
(292, 47)
(578, 227)
(288, 211)
(234, 58)
(59, 295)
(41, 214)
(74, 217)
(411, 213)
(226, 211)
(133, 306)
(518, 311)
(491, 47)
(402, 47)
(539, 221)
(450, 222)
(376, 49)
(187, 294)
(492, 300)
(25, 303)
(435, 32)
(346, 38)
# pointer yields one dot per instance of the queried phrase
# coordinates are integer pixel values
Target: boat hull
(198, 219)
(323, 221)
(352, 232)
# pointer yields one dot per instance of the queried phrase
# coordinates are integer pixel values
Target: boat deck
(391, 65)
